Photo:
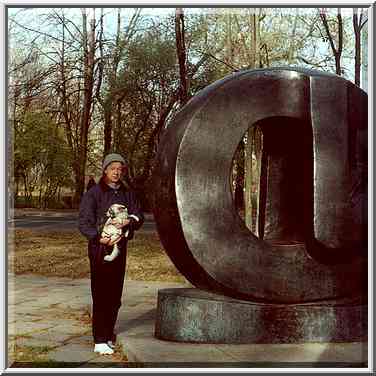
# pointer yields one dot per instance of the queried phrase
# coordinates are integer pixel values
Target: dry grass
(64, 254)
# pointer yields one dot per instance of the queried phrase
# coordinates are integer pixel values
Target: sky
(35, 19)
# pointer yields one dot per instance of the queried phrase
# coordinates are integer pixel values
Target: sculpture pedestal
(196, 316)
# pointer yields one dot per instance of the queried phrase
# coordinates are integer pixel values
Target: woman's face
(113, 172)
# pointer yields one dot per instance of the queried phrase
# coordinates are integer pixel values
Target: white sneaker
(111, 344)
(103, 349)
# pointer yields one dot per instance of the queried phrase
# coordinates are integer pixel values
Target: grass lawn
(64, 254)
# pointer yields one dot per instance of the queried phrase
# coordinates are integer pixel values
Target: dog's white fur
(119, 213)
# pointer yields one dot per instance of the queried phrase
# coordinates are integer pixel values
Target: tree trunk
(71, 125)
(338, 64)
(248, 178)
(107, 129)
(88, 41)
(250, 148)
(15, 196)
(337, 51)
(340, 42)
(229, 47)
(117, 130)
(107, 102)
(181, 52)
(357, 59)
(40, 196)
(123, 35)
(357, 23)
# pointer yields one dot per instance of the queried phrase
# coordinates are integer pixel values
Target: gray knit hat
(112, 158)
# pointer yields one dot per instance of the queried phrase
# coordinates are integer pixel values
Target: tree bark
(358, 25)
(88, 43)
(182, 55)
(337, 51)
(107, 127)
(251, 147)
(66, 106)
(108, 103)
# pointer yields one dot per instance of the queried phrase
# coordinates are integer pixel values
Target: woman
(107, 277)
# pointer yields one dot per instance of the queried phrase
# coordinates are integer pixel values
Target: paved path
(50, 317)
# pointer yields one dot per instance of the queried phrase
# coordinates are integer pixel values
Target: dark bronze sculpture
(313, 240)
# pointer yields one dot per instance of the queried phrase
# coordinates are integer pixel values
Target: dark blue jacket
(95, 203)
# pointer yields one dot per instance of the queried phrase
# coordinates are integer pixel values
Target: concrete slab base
(136, 328)
(196, 316)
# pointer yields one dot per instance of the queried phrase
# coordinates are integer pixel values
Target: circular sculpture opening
(272, 180)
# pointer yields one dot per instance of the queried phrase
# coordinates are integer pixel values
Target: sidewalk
(52, 316)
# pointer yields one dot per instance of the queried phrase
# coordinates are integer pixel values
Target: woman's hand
(104, 240)
(112, 242)
(108, 241)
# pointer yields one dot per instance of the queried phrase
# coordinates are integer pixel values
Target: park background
(84, 82)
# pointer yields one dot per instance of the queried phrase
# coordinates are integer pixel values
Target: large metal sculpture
(313, 246)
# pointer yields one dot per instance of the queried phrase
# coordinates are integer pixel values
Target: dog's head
(115, 210)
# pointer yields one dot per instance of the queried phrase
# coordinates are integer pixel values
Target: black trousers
(107, 280)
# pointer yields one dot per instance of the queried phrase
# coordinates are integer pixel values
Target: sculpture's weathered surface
(193, 315)
(314, 242)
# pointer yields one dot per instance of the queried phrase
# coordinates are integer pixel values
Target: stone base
(195, 316)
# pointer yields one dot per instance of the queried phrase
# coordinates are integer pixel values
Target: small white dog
(120, 214)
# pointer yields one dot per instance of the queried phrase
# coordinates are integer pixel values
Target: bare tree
(88, 46)
(359, 21)
(109, 63)
(71, 54)
(337, 50)
(182, 55)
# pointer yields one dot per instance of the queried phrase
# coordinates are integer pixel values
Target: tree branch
(36, 31)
